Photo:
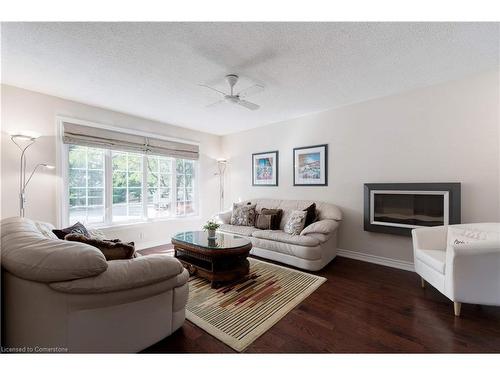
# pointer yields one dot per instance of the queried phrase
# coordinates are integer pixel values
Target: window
(184, 187)
(159, 193)
(127, 186)
(86, 184)
(107, 187)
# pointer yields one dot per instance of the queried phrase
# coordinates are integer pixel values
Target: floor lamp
(23, 142)
(221, 164)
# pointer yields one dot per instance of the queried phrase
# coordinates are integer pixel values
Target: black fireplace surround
(397, 208)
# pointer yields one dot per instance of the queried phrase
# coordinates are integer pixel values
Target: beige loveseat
(313, 249)
(60, 295)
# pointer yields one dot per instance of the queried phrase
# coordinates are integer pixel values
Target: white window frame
(62, 169)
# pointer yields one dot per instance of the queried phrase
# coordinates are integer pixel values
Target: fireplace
(398, 208)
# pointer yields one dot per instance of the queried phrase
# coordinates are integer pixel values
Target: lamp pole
(23, 183)
(221, 164)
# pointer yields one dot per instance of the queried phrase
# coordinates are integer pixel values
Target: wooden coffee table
(220, 260)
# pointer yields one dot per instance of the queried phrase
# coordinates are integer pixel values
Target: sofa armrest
(34, 257)
(325, 226)
(127, 274)
(223, 217)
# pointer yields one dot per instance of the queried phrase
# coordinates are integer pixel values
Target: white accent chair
(465, 272)
(63, 295)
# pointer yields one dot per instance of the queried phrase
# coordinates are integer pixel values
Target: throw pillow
(75, 228)
(295, 222)
(263, 221)
(112, 250)
(243, 214)
(311, 214)
(276, 214)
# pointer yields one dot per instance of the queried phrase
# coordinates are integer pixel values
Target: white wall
(444, 133)
(447, 132)
(27, 110)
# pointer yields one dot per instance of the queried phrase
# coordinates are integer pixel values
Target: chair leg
(457, 306)
(422, 282)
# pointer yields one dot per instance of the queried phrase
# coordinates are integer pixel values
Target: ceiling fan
(237, 98)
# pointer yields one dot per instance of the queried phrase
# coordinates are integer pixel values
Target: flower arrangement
(211, 226)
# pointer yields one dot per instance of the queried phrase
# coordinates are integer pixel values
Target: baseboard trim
(383, 261)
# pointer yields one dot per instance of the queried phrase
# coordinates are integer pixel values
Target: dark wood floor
(363, 308)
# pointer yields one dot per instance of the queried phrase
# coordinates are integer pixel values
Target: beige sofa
(313, 249)
(64, 296)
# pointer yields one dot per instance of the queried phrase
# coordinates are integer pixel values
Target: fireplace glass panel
(409, 209)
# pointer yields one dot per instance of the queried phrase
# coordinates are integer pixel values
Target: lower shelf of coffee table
(218, 270)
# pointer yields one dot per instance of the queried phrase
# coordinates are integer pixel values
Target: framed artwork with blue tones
(310, 166)
(265, 169)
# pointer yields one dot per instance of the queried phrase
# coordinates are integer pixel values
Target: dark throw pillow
(112, 250)
(75, 228)
(263, 221)
(311, 214)
(276, 215)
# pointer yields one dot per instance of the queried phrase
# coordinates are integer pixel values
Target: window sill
(137, 223)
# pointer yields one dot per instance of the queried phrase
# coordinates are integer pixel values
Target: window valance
(110, 139)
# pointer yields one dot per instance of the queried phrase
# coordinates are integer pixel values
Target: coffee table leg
(215, 284)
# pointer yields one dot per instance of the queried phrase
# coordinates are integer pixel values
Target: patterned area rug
(239, 313)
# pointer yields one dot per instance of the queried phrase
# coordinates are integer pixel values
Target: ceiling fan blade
(215, 104)
(249, 105)
(211, 88)
(250, 91)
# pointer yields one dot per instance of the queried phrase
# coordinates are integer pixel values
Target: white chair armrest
(223, 217)
(473, 272)
(432, 238)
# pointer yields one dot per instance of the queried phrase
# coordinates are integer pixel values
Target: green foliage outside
(86, 177)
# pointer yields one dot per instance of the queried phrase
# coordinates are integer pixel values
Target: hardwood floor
(363, 308)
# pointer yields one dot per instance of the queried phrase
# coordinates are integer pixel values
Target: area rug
(239, 313)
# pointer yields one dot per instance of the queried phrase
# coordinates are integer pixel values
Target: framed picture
(310, 166)
(265, 169)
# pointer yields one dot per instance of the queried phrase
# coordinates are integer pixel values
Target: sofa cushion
(125, 274)
(28, 254)
(280, 236)
(435, 259)
(242, 230)
(299, 251)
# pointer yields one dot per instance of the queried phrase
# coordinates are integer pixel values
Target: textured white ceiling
(152, 69)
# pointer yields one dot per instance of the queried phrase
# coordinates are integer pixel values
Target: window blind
(83, 135)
